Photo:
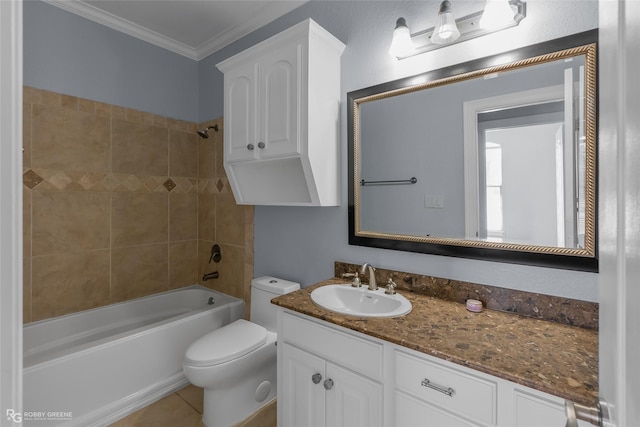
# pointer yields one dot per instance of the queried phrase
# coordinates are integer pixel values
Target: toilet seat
(226, 343)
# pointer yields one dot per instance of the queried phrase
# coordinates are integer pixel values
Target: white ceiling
(192, 28)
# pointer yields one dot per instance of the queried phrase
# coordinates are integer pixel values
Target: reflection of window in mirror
(493, 191)
(524, 164)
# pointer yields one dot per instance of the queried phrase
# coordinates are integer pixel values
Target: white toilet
(236, 364)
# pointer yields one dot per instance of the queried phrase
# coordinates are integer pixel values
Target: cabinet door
(537, 411)
(412, 412)
(240, 113)
(280, 102)
(353, 400)
(302, 399)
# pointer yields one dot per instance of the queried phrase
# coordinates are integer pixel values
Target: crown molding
(268, 13)
(124, 26)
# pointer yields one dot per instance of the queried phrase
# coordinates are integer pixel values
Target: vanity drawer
(454, 390)
(358, 354)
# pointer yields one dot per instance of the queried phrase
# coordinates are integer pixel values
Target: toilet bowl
(236, 364)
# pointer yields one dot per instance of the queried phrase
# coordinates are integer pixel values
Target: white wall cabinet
(281, 119)
(375, 382)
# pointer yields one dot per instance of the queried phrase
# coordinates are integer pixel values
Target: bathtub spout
(209, 276)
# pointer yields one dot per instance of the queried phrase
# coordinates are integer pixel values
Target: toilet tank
(263, 290)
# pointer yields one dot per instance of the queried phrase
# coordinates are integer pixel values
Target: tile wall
(120, 204)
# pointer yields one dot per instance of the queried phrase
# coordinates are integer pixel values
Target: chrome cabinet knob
(250, 147)
(316, 378)
(328, 384)
(261, 144)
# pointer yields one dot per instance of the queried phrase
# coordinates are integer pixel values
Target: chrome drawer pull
(446, 390)
(316, 378)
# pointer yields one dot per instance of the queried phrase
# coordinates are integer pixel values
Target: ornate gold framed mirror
(491, 159)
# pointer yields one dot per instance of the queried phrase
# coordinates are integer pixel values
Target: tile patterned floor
(184, 409)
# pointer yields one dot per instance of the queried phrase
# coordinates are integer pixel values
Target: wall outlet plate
(433, 202)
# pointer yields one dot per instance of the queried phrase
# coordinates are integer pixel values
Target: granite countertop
(551, 357)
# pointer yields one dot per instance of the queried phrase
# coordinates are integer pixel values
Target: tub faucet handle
(216, 254)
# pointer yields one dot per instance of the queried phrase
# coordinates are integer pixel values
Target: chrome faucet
(373, 286)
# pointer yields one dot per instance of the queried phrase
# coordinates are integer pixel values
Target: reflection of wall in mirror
(421, 134)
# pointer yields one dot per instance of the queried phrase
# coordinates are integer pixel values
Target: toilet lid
(226, 343)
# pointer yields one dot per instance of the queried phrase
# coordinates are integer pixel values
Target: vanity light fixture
(497, 15)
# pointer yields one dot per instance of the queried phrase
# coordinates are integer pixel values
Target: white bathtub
(94, 367)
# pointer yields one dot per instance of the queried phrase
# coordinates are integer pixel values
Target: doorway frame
(11, 212)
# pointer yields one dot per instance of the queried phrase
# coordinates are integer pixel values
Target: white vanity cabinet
(375, 383)
(325, 378)
(281, 119)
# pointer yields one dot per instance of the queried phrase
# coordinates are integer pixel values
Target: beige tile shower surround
(120, 204)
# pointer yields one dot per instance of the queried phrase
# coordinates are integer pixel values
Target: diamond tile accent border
(169, 184)
(54, 180)
(31, 179)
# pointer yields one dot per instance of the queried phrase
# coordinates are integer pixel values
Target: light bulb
(401, 44)
(446, 29)
(497, 13)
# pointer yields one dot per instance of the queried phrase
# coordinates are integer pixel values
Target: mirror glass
(495, 162)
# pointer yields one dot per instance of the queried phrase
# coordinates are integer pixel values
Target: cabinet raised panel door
(354, 400)
(280, 81)
(240, 112)
(302, 396)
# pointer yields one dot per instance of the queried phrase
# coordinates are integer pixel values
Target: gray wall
(69, 54)
(302, 243)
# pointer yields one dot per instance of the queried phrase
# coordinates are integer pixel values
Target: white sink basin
(360, 302)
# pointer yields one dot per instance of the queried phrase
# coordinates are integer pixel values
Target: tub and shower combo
(94, 367)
